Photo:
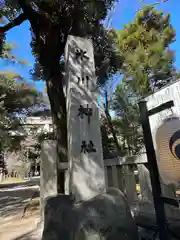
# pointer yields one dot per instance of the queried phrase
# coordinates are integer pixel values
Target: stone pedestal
(48, 169)
(86, 168)
(169, 191)
(145, 184)
(146, 201)
(104, 217)
(130, 184)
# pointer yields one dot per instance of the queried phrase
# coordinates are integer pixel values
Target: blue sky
(125, 12)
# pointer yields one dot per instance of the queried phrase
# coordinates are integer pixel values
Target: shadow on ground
(13, 201)
(30, 235)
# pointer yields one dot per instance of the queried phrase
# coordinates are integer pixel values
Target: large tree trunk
(50, 58)
(58, 108)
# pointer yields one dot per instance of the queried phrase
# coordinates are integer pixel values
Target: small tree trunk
(58, 109)
(110, 124)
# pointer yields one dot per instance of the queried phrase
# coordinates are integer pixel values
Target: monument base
(106, 216)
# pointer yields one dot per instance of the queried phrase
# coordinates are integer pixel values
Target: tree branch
(16, 22)
(28, 10)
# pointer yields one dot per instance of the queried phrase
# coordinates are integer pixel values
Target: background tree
(127, 122)
(144, 45)
(17, 99)
(147, 66)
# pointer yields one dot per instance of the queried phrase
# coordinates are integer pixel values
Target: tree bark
(52, 50)
(58, 109)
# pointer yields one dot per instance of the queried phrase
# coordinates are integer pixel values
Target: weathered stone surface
(86, 167)
(145, 184)
(106, 216)
(130, 184)
(146, 202)
(48, 179)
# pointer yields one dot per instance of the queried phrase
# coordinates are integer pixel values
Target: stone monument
(90, 211)
(84, 136)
